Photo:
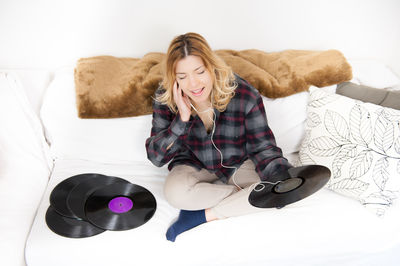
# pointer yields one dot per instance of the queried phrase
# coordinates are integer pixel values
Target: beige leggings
(190, 189)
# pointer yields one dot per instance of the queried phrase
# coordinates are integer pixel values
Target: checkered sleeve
(261, 145)
(167, 133)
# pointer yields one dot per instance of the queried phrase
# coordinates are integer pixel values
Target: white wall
(54, 33)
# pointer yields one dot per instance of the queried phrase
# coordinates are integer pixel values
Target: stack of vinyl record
(89, 204)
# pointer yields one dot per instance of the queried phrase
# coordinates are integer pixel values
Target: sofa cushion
(386, 98)
(359, 142)
(120, 140)
(373, 73)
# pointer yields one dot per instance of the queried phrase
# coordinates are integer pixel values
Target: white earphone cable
(253, 186)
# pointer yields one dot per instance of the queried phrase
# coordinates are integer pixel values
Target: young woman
(210, 125)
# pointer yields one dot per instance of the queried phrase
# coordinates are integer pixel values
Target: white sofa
(43, 142)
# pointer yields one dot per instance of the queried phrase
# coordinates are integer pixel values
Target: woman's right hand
(182, 102)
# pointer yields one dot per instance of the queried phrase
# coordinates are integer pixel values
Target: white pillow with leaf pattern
(359, 142)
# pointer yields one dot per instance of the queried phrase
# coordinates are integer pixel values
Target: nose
(193, 81)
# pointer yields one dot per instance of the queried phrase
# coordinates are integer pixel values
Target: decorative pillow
(385, 98)
(359, 142)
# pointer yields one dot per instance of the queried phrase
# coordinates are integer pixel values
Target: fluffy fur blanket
(110, 87)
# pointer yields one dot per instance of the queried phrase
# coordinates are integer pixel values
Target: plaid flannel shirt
(241, 132)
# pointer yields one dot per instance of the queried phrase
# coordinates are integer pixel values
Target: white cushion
(286, 118)
(115, 140)
(24, 168)
(359, 142)
(34, 83)
(373, 73)
(120, 140)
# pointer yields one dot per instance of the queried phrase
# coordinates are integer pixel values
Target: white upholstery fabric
(323, 229)
(24, 168)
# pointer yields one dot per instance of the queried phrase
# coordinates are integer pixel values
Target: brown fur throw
(110, 87)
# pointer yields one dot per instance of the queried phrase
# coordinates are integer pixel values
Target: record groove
(70, 227)
(60, 193)
(304, 181)
(78, 195)
(122, 205)
(102, 206)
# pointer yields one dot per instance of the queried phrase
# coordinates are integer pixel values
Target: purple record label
(120, 204)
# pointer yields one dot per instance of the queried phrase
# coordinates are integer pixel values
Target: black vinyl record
(304, 181)
(120, 206)
(80, 193)
(69, 227)
(58, 197)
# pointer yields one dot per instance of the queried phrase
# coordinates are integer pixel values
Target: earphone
(253, 186)
(215, 146)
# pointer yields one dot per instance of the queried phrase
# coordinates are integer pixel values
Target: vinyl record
(58, 197)
(69, 227)
(304, 181)
(79, 194)
(120, 206)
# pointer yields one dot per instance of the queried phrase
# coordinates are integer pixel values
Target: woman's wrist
(185, 118)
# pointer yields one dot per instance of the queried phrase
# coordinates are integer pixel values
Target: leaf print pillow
(359, 142)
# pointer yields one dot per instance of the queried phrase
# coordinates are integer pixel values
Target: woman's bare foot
(210, 216)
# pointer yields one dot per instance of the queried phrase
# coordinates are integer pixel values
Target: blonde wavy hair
(224, 82)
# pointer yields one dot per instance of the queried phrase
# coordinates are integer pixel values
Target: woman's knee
(177, 186)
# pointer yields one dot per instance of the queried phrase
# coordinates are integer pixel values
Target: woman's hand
(182, 102)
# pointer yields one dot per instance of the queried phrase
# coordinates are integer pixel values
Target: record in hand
(79, 194)
(120, 206)
(58, 197)
(304, 181)
(69, 227)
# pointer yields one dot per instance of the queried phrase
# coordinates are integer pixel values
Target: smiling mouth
(198, 92)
